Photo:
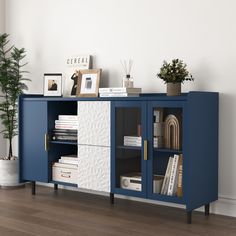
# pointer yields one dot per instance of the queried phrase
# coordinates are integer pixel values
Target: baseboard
(225, 205)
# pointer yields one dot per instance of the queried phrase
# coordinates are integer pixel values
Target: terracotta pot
(173, 89)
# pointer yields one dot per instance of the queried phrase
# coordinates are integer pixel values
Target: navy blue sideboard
(199, 118)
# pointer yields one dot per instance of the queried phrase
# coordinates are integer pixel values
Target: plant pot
(9, 173)
(173, 89)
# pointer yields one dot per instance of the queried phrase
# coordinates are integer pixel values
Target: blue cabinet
(143, 156)
(33, 130)
(197, 115)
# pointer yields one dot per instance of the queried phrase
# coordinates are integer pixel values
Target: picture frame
(52, 84)
(88, 82)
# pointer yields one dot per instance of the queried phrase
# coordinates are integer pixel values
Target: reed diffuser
(128, 81)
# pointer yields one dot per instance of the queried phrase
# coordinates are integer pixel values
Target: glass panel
(128, 149)
(167, 146)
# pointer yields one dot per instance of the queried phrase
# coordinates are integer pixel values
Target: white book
(63, 165)
(118, 95)
(166, 175)
(69, 158)
(136, 138)
(68, 117)
(66, 122)
(68, 162)
(173, 175)
(120, 90)
(73, 127)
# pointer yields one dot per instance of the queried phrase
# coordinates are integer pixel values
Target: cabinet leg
(55, 187)
(112, 198)
(33, 187)
(189, 217)
(207, 209)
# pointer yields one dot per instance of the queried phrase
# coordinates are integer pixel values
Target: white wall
(2, 30)
(202, 33)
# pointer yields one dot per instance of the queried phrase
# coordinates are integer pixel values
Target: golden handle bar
(145, 151)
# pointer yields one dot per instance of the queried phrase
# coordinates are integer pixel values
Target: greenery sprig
(174, 72)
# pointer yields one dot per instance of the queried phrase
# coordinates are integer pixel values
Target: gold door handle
(145, 150)
(46, 142)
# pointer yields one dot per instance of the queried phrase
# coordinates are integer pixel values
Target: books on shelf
(134, 141)
(68, 117)
(65, 161)
(118, 95)
(65, 128)
(172, 183)
(173, 177)
(180, 177)
(119, 92)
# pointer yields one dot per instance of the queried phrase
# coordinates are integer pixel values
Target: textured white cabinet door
(94, 168)
(94, 123)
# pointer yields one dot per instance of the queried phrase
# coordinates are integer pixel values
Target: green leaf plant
(174, 72)
(12, 85)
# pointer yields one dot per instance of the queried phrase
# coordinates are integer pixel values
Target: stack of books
(66, 128)
(68, 161)
(134, 141)
(172, 184)
(119, 92)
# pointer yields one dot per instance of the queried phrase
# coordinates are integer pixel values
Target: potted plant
(11, 85)
(174, 74)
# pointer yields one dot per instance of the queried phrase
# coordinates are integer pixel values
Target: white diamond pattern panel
(94, 123)
(94, 168)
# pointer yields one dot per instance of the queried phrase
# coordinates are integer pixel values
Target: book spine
(68, 117)
(166, 175)
(180, 177)
(63, 165)
(69, 158)
(68, 162)
(66, 122)
(73, 127)
(173, 175)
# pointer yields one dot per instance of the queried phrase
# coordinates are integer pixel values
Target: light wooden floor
(73, 213)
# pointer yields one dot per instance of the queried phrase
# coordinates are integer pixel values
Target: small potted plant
(11, 85)
(174, 74)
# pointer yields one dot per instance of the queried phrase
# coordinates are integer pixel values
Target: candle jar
(128, 82)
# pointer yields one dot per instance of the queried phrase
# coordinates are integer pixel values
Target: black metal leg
(112, 198)
(55, 187)
(33, 187)
(207, 209)
(189, 217)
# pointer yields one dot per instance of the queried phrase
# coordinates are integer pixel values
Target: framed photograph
(73, 65)
(88, 83)
(52, 84)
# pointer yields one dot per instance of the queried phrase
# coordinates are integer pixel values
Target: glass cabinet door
(165, 166)
(128, 141)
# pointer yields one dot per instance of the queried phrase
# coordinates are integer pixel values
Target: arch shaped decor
(172, 132)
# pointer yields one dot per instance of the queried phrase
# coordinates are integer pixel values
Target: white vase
(9, 173)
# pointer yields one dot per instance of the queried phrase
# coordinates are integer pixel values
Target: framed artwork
(52, 84)
(73, 65)
(88, 83)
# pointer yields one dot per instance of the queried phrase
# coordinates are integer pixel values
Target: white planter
(9, 173)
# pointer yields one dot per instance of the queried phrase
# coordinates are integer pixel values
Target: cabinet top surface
(142, 97)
